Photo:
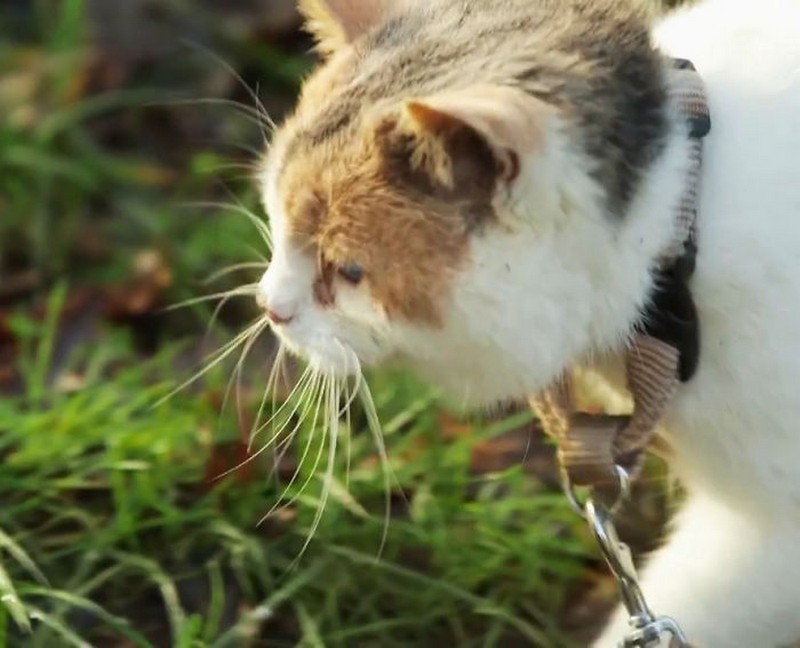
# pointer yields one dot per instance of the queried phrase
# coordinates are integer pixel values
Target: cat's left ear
(469, 135)
(336, 23)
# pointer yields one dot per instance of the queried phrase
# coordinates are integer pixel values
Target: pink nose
(277, 318)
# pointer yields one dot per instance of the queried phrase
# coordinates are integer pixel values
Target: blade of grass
(246, 624)
(122, 626)
(11, 602)
(217, 600)
(309, 628)
(68, 635)
(479, 604)
(37, 385)
(3, 626)
(8, 544)
(169, 592)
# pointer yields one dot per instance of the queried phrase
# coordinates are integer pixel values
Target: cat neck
(599, 268)
(660, 201)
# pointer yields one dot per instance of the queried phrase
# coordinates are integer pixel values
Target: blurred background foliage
(129, 137)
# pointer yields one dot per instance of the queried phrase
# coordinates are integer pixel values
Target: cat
(481, 189)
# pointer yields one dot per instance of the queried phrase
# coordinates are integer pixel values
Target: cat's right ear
(465, 138)
(336, 23)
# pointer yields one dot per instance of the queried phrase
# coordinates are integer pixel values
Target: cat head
(421, 214)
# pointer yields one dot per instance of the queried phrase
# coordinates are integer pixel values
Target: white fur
(730, 573)
(561, 283)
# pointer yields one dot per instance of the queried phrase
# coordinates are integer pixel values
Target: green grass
(112, 524)
(106, 503)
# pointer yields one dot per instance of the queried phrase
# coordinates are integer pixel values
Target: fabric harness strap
(662, 353)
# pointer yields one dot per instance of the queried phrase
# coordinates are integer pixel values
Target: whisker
(253, 114)
(238, 208)
(279, 374)
(269, 443)
(260, 225)
(305, 387)
(213, 319)
(252, 151)
(222, 144)
(350, 397)
(320, 409)
(304, 401)
(224, 272)
(300, 397)
(348, 445)
(255, 252)
(308, 395)
(236, 374)
(306, 450)
(247, 170)
(348, 355)
(283, 446)
(213, 360)
(331, 426)
(270, 388)
(258, 103)
(373, 423)
(246, 290)
(284, 373)
(347, 409)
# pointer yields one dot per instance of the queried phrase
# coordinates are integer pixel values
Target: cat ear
(470, 135)
(335, 23)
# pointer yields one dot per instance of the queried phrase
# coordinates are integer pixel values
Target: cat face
(450, 225)
(372, 229)
(375, 227)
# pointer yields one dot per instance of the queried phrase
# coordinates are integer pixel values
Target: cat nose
(276, 317)
(275, 298)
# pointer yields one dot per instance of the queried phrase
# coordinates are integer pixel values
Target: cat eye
(351, 272)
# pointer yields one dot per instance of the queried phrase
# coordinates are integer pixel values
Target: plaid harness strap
(661, 354)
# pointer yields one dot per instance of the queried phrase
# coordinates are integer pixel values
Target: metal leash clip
(648, 629)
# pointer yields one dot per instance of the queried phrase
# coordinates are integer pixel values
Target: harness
(602, 452)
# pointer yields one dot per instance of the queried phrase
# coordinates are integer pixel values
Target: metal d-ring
(623, 480)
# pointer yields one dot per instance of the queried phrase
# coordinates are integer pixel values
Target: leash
(602, 453)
